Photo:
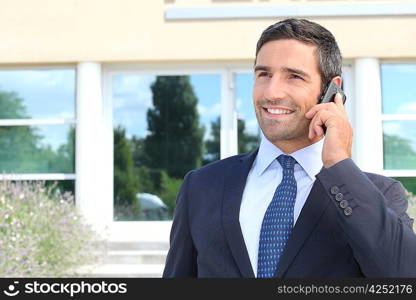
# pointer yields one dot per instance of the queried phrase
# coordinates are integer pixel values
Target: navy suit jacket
(370, 236)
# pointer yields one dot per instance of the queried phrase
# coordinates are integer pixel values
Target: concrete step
(137, 245)
(136, 257)
(122, 271)
(128, 259)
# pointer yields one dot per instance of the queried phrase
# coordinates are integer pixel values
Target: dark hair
(328, 53)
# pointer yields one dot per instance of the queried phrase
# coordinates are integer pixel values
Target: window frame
(396, 117)
(40, 121)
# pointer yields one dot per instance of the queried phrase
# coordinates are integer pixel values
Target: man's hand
(338, 136)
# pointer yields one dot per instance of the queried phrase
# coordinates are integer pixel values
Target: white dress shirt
(264, 177)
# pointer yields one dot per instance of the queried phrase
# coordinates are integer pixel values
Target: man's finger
(311, 113)
(338, 101)
(315, 127)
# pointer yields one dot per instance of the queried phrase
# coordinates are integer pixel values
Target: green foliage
(145, 183)
(41, 232)
(174, 143)
(21, 148)
(65, 155)
(246, 142)
(125, 178)
(213, 145)
(11, 106)
(399, 154)
(170, 188)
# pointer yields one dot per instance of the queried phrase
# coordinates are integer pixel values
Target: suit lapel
(233, 193)
(313, 209)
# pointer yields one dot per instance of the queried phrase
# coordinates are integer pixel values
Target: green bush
(41, 232)
(170, 189)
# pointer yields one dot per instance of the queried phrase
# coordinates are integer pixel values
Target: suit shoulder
(219, 165)
(218, 169)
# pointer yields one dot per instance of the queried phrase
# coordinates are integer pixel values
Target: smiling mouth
(277, 111)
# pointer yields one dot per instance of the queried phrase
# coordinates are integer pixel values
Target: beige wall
(60, 31)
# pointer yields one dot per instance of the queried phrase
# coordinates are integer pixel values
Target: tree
(398, 152)
(246, 142)
(20, 146)
(11, 106)
(65, 154)
(174, 144)
(21, 149)
(169, 190)
(125, 181)
(213, 145)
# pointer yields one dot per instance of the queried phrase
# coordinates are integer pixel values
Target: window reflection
(248, 129)
(164, 126)
(398, 88)
(37, 149)
(399, 145)
(64, 186)
(38, 94)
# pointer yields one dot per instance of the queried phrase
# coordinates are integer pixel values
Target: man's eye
(262, 74)
(295, 76)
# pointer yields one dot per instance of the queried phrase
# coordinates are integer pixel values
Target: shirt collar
(309, 158)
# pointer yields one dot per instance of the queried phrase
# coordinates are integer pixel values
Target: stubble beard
(277, 130)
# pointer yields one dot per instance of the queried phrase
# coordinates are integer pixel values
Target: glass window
(37, 94)
(398, 88)
(64, 186)
(399, 124)
(37, 149)
(399, 116)
(248, 129)
(399, 144)
(164, 126)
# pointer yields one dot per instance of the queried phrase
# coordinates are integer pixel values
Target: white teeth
(278, 111)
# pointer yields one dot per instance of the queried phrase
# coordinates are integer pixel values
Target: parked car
(153, 207)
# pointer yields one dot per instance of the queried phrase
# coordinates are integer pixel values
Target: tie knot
(286, 161)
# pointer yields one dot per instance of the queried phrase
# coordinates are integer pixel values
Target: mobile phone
(329, 93)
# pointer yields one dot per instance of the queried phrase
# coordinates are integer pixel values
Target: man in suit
(298, 206)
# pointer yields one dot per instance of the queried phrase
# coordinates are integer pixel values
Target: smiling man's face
(287, 84)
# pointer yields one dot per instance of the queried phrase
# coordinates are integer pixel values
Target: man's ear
(337, 80)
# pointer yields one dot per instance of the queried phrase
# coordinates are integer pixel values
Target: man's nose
(275, 89)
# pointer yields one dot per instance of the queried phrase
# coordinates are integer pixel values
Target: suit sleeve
(181, 258)
(375, 223)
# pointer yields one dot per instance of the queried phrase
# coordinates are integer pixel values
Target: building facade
(87, 87)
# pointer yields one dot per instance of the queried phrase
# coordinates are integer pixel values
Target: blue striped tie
(278, 221)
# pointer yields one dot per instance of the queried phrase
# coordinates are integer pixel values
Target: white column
(350, 105)
(368, 127)
(94, 180)
(229, 130)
